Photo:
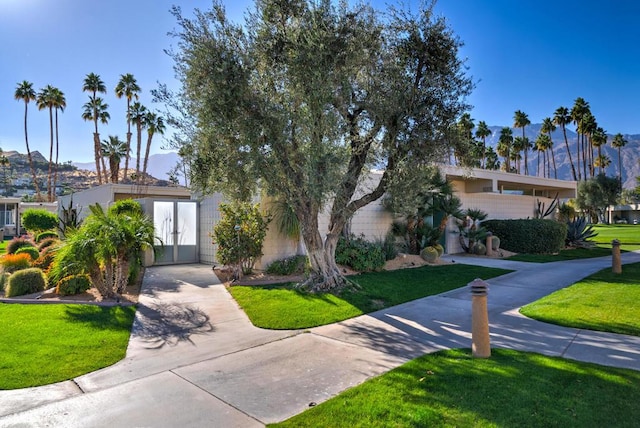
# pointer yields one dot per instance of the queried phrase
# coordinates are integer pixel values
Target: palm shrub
(18, 242)
(14, 262)
(579, 233)
(26, 281)
(104, 247)
(471, 231)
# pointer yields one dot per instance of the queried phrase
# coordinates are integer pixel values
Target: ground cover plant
(604, 301)
(510, 389)
(627, 234)
(43, 344)
(284, 307)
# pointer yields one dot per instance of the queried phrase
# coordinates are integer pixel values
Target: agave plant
(579, 233)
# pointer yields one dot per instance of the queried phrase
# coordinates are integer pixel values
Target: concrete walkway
(195, 360)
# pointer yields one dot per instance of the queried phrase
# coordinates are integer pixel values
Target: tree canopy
(306, 97)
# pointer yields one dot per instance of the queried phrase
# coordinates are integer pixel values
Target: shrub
(125, 206)
(579, 233)
(239, 234)
(35, 220)
(287, 266)
(46, 243)
(429, 254)
(31, 251)
(15, 262)
(73, 284)
(17, 243)
(388, 245)
(532, 236)
(47, 234)
(359, 254)
(4, 279)
(45, 260)
(26, 281)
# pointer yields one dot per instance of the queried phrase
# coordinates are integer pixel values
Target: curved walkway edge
(194, 359)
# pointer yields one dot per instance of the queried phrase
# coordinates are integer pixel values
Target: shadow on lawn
(518, 389)
(168, 324)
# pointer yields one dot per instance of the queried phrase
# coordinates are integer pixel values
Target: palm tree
(44, 100)
(96, 110)
(155, 125)
(561, 117)
(543, 142)
(94, 84)
(127, 87)
(619, 142)
(598, 139)
(588, 127)
(26, 93)
(482, 132)
(517, 148)
(602, 162)
(59, 103)
(505, 141)
(579, 109)
(138, 114)
(548, 127)
(492, 161)
(4, 162)
(521, 120)
(114, 149)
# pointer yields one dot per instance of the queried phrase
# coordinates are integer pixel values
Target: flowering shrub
(15, 262)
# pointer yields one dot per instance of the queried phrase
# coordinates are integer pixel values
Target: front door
(176, 225)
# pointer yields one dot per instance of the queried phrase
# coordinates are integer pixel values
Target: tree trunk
(326, 275)
(122, 274)
(126, 158)
(33, 171)
(146, 158)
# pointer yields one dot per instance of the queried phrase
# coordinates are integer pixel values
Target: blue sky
(524, 55)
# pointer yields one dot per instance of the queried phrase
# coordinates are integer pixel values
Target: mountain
(629, 154)
(158, 167)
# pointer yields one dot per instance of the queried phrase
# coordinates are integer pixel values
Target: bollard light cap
(478, 287)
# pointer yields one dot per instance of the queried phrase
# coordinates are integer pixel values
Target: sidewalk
(194, 359)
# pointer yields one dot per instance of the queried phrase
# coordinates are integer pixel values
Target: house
(11, 210)
(626, 214)
(184, 221)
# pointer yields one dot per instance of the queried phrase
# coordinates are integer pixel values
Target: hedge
(531, 236)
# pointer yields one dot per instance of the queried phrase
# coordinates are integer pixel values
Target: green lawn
(604, 301)
(282, 307)
(627, 234)
(510, 389)
(43, 344)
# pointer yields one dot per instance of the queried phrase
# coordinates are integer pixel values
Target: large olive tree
(305, 97)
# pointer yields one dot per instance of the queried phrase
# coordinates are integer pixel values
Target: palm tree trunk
(33, 171)
(146, 157)
(126, 159)
(138, 150)
(566, 143)
(50, 176)
(96, 145)
(55, 174)
(620, 167)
